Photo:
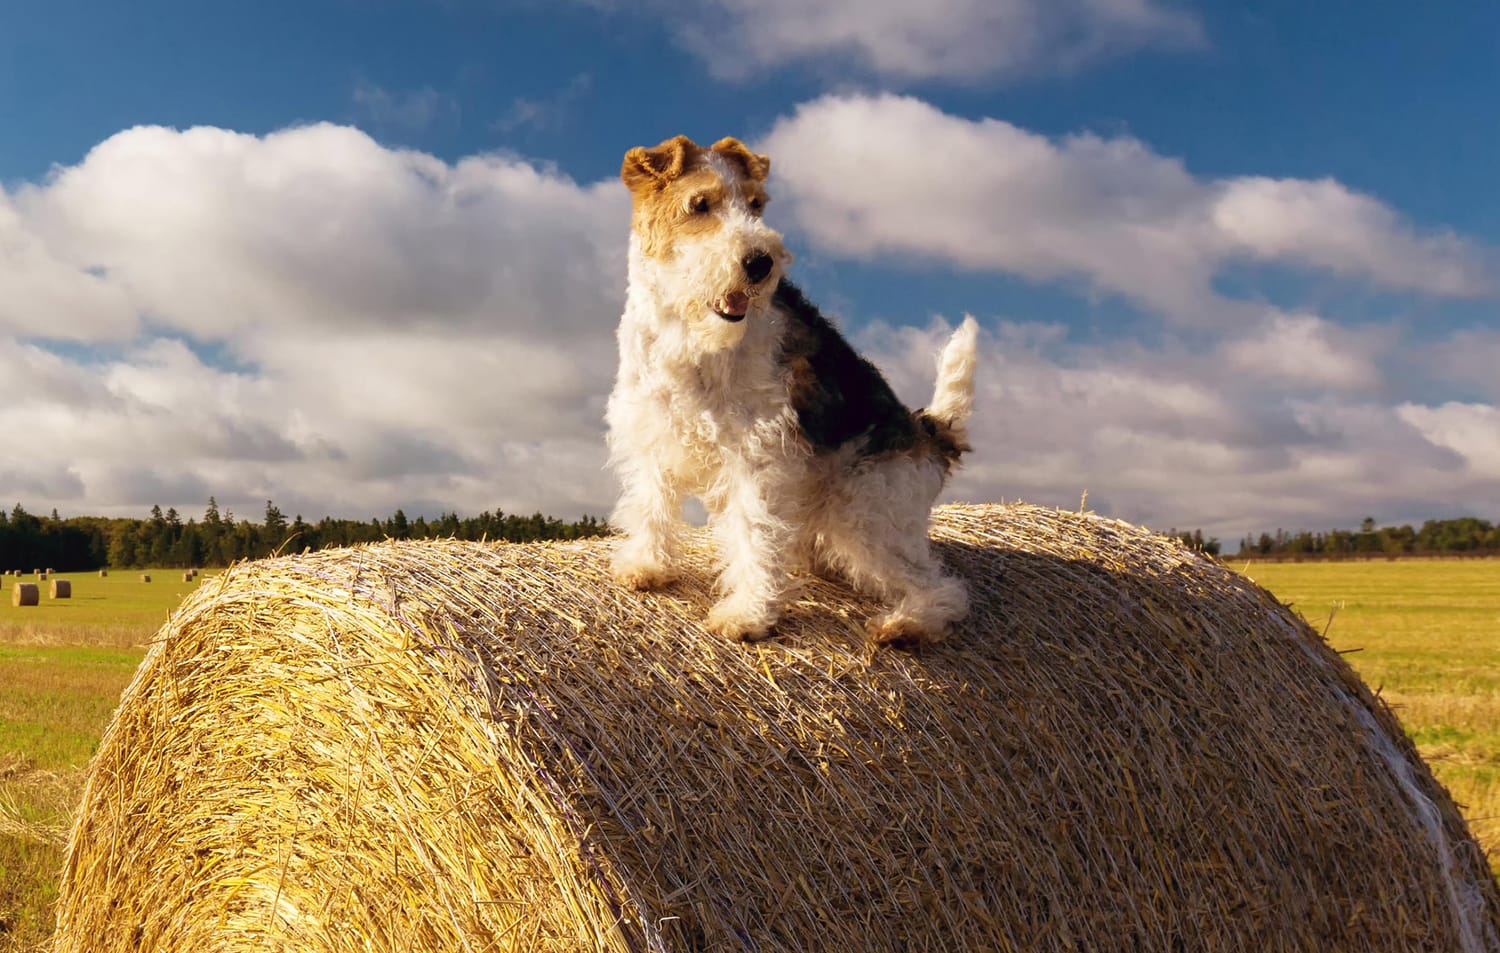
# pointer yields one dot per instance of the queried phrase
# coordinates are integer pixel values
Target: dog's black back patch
(838, 395)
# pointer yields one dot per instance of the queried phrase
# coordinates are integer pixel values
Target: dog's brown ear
(755, 166)
(652, 168)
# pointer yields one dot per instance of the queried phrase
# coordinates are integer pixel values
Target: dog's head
(697, 221)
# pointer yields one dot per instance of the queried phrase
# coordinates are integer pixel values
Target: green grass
(63, 665)
(117, 609)
(1426, 635)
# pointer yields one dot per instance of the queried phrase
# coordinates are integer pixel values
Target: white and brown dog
(733, 388)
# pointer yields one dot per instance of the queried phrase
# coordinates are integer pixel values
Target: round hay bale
(103, 573)
(61, 589)
(25, 594)
(145, 577)
(187, 577)
(437, 745)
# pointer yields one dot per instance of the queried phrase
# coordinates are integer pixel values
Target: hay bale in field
(61, 589)
(25, 594)
(145, 577)
(103, 573)
(187, 577)
(426, 746)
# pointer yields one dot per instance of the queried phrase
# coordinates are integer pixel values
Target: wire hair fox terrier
(734, 389)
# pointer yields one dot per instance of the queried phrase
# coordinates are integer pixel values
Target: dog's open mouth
(732, 307)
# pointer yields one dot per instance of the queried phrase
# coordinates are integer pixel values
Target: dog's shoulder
(838, 396)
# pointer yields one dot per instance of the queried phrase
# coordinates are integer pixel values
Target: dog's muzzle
(757, 266)
(733, 306)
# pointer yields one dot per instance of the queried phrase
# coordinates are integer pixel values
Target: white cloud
(1470, 430)
(223, 234)
(345, 328)
(951, 40)
(1322, 224)
(1469, 358)
(383, 327)
(894, 176)
(1303, 350)
(1168, 439)
(44, 294)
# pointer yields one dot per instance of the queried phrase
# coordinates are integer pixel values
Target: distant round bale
(437, 745)
(103, 573)
(187, 577)
(145, 577)
(61, 589)
(25, 594)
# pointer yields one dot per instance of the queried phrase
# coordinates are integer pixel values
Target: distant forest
(82, 543)
(1466, 536)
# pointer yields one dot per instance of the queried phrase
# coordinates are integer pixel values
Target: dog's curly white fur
(734, 389)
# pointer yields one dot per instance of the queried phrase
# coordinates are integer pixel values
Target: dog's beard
(712, 295)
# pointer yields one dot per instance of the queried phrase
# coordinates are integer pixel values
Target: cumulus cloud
(894, 176)
(1322, 224)
(1466, 358)
(1304, 350)
(1169, 439)
(312, 317)
(1472, 431)
(952, 40)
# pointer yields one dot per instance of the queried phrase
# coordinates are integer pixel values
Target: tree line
(1194, 540)
(1465, 536)
(81, 543)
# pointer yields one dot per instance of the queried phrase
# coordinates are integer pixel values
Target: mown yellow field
(1426, 634)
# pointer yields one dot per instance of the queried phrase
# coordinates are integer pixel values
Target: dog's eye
(698, 205)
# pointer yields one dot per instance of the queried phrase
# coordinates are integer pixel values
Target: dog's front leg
(650, 513)
(753, 536)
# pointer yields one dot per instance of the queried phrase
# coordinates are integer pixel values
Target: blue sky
(1234, 262)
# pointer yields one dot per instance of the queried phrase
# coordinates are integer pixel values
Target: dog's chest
(701, 416)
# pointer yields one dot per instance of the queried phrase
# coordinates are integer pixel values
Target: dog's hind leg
(876, 538)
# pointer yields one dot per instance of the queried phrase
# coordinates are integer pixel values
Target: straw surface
(60, 589)
(428, 746)
(25, 594)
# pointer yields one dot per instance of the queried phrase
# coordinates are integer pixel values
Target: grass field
(1425, 633)
(63, 664)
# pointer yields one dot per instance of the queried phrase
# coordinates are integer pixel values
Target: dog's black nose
(757, 266)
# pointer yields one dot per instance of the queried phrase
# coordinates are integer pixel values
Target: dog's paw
(642, 576)
(902, 631)
(733, 623)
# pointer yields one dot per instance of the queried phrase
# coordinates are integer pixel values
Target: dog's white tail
(953, 399)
